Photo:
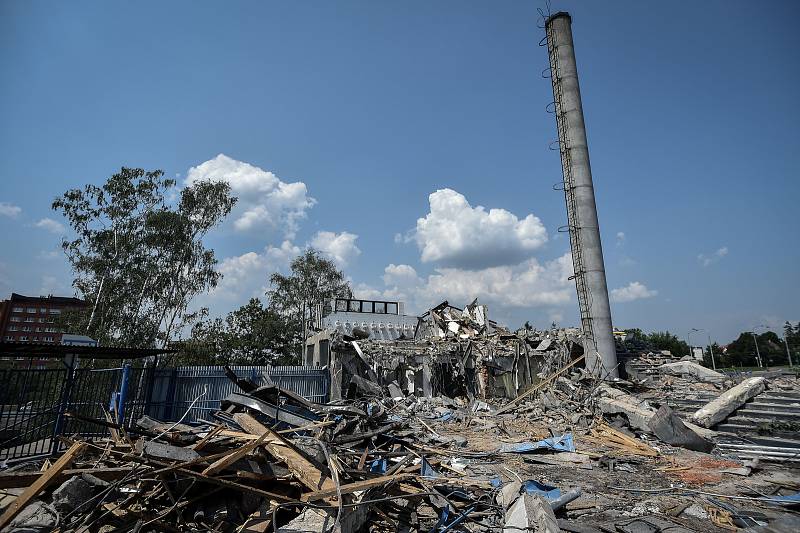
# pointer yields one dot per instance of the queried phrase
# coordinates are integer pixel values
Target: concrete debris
(692, 369)
(669, 428)
(718, 409)
(530, 512)
(614, 401)
(466, 427)
(38, 517)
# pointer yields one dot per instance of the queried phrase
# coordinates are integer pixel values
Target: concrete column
(587, 250)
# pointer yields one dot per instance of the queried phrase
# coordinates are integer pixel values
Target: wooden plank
(41, 483)
(352, 487)
(303, 469)
(235, 455)
(16, 480)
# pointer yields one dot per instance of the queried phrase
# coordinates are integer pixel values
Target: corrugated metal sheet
(202, 387)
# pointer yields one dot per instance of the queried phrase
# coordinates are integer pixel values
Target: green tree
(252, 335)
(312, 280)
(664, 340)
(742, 351)
(137, 260)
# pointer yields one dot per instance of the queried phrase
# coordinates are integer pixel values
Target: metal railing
(35, 402)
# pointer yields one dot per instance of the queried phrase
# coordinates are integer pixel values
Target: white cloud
(264, 200)
(53, 226)
(9, 210)
(341, 247)
(527, 284)
(620, 238)
(710, 259)
(455, 234)
(633, 291)
(400, 275)
(247, 276)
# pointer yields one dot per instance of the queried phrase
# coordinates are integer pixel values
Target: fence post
(70, 362)
(150, 377)
(123, 393)
(173, 382)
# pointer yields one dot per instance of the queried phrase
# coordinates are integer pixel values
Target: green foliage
(137, 260)
(313, 279)
(637, 342)
(742, 351)
(250, 335)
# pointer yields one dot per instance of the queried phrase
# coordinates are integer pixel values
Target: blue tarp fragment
(447, 416)
(563, 443)
(379, 465)
(427, 470)
(534, 487)
(792, 499)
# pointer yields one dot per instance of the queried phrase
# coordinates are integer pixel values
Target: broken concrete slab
(36, 517)
(509, 493)
(531, 512)
(668, 427)
(614, 401)
(72, 494)
(309, 521)
(690, 368)
(726, 403)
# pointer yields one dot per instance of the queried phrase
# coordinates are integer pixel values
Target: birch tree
(137, 260)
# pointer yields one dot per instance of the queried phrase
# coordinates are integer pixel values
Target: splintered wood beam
(235, 455)
(41, 483)
(303, 469)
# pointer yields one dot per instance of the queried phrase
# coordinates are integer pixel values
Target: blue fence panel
(196, 391)
(34, 402)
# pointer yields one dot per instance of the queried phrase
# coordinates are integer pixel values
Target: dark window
(341, 305)
(354, 306)
(380, 307)
(366, 307)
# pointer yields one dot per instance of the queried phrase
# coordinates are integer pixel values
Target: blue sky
(340, 121)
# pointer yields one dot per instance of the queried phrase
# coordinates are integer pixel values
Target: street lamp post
(755, 340)
(711, 351)
(788, 353)
(689, 339)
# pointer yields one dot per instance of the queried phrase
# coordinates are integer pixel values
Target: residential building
(34, 318)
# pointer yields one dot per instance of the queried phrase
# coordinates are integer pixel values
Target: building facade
(34, 318)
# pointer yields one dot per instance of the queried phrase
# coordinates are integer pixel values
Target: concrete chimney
(584, 230)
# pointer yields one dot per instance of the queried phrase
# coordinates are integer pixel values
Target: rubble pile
(453, 352)
(467, 427)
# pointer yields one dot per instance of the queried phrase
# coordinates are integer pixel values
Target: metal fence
(34, 402)
(199, 389)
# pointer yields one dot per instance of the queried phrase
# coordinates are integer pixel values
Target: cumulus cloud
(53, 226)
(632, 291)
(9, 210)
(264, 200)
(527, 284)
(400, 275)
(246, 276)
(455, 234)
(710, 259)
(341, 247)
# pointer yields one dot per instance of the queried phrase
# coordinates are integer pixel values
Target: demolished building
(449, 352)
